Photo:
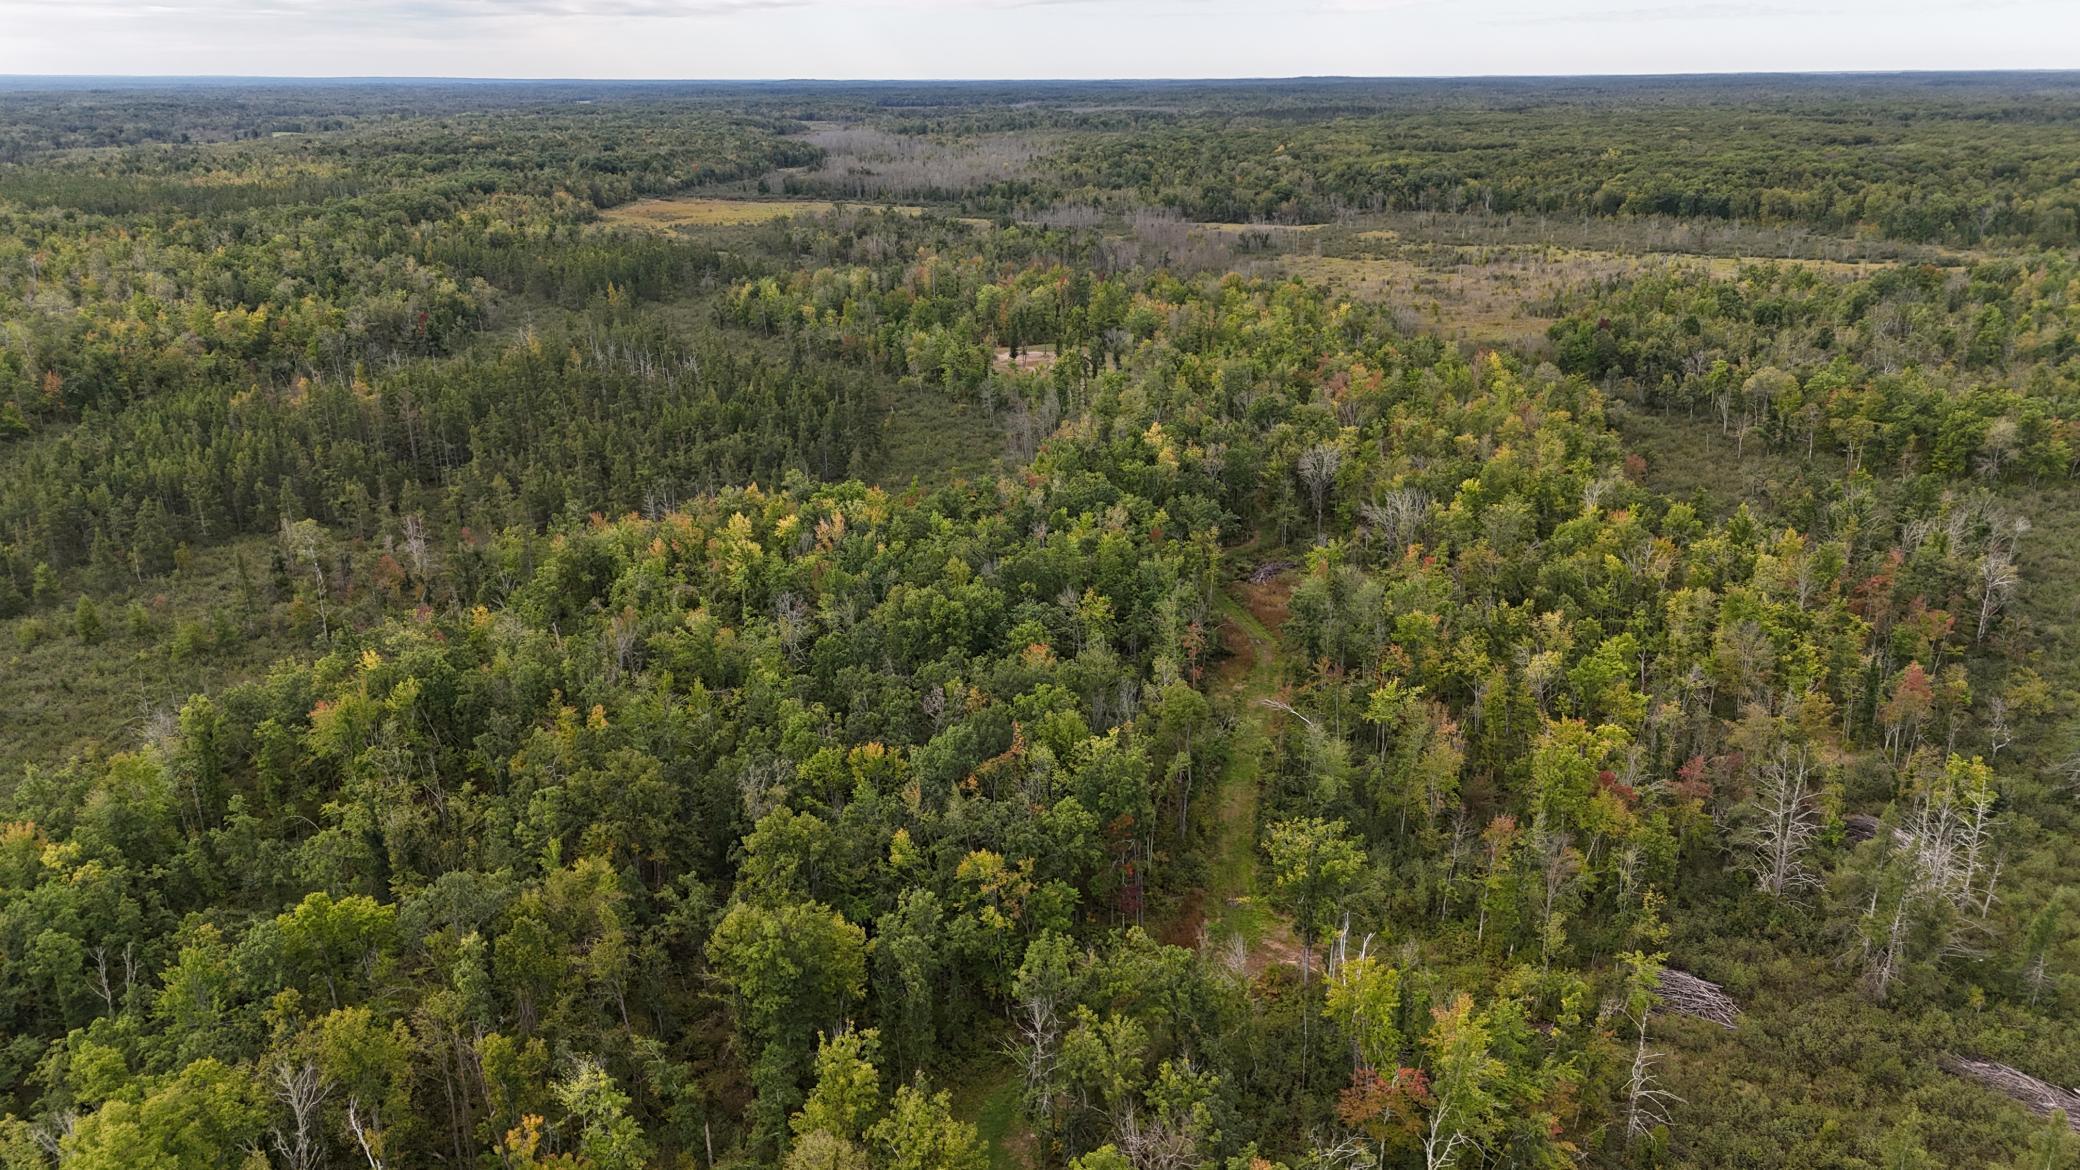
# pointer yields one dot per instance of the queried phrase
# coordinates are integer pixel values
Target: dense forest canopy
(1250, 625)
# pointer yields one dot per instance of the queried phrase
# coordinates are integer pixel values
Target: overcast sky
(1025, 38)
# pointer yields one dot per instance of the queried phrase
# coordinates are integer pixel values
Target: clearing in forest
(674, 213)
(1489, 293)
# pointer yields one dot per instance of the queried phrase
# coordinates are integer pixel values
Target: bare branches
(1646, 1102)
(2039, 1097)
(301, 1089)
(1265, 573)
(1687, 995)
(1786, 822)
(1998, 579)
(368, 1131)
(1317, 469)
(1396, 516)
(1279, 705)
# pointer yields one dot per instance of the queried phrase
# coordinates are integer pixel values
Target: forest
(1328, 625)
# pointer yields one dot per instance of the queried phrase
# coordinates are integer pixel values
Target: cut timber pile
(1266, 571)
(1687, 995)
(1861, 827)
(2040, 1097)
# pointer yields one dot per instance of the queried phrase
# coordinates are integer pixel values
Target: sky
(730, 39)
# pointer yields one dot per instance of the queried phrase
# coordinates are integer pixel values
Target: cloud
(1011, 38)
(377, 11)
(1761, 10)
(1735, 10)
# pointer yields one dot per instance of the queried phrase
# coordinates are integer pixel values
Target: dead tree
(1646, 1102)
(1317, 467)
(1997, 581)
(1786, 823)
(367, 1131)
(301, 1089)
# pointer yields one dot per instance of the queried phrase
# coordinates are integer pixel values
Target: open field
(690, 212)
(1490, 294)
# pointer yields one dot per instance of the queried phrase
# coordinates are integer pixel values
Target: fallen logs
(1687, 995)
(2040, 1097)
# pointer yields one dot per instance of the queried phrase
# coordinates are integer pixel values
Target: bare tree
(301, 1089)
(1317, 469)
(1646, 1102)
(1786, 822)
(305, 541)
(1997, 581)
(623, 636)
(367, 1129)
(50, 1133)
(1397, 516)
(1942, 846)
(1999, 734)
(1038, 1049)
(418, 553)
(1157, 1144)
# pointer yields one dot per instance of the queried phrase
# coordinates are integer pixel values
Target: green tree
(370, 1067)
(205, 1116)
(920, 1133)
(1365, 997)
(607, 1137)
(790, 968)
(848, 1087)
(86, 620)
(1314, 864)
(1463, 1079)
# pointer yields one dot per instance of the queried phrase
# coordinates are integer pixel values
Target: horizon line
(1960, 71)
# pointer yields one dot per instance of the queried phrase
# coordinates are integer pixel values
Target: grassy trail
(1228, 906)
(1250, 675)
(989, 1100)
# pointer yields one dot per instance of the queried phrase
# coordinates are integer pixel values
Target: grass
(1231, 906)
(986, 1096)
(677, 213)
(1689, 459)
(62, 697)
(1484, 293)
(997, 1123)
(931, 438)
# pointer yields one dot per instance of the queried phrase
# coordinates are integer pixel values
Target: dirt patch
(1241, 655)
(1187, 925)
(1241, 229)
(1267, 601)
(1032, 359)
(1246, 938)
(1275, 948)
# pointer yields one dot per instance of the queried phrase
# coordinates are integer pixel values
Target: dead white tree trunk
(1787, 823)
(1646, 1102)
(301, 1089)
